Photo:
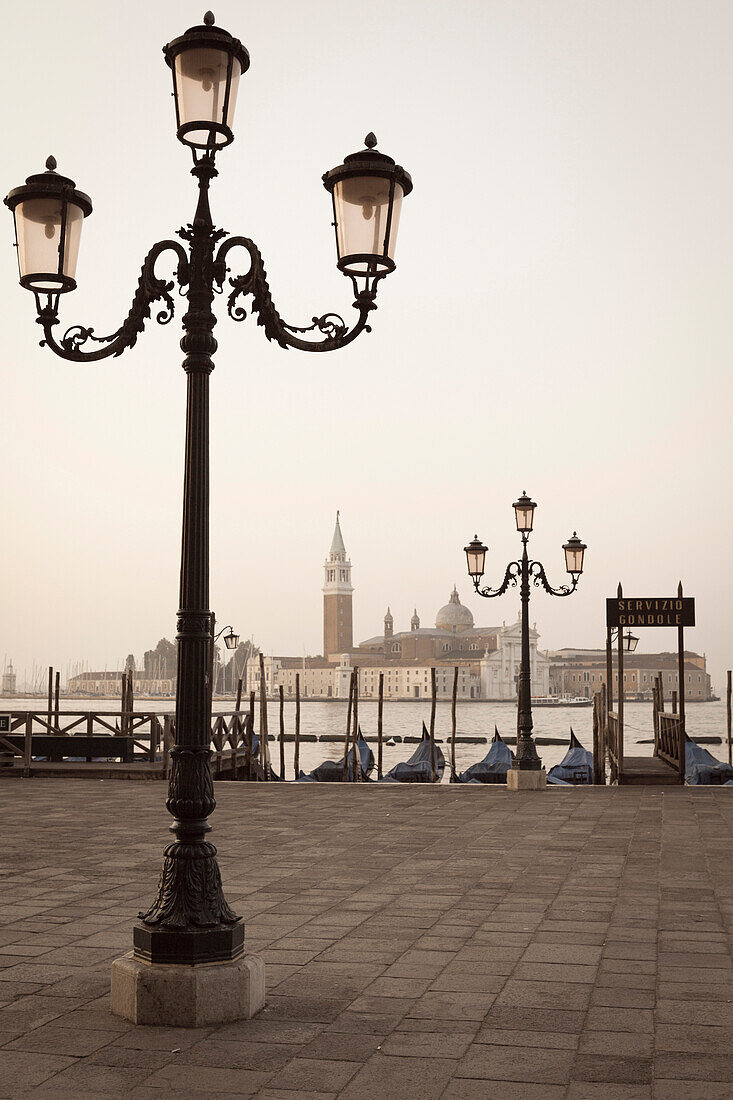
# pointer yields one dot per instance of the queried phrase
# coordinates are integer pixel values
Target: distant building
(583, 671)
(110, 683)
(488, 658)
(338, 631)
(9, 680)
(322, 680)
(454, 635)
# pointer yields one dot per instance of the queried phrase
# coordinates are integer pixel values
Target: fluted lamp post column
(188, 965)
(528, 773)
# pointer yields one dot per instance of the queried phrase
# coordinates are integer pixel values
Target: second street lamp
(521, 572)
(626, 642)
(189, 922)
(231, 640)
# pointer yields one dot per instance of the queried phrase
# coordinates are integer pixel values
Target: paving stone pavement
(420, 942)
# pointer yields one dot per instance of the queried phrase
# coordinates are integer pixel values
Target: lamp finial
(370, 140)
(51, 164)
(209, 19)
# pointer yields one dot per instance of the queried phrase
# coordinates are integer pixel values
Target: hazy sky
(559, 319)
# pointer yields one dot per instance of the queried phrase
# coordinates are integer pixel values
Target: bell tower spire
(338, 635)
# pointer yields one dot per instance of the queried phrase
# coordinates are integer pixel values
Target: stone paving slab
(420, 942)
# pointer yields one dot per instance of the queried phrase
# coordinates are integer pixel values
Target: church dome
(454, 616)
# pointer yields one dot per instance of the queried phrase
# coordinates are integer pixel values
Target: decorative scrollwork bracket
(334, 329)
(150, 289)
(539, 579)
(511, 576)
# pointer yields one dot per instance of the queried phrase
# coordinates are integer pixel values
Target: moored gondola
(332, 771)
(418, 768)
(702, 768)
(493, 767)
(576, 766)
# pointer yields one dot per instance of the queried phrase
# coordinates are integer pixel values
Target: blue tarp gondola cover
(493, 767)
(332, 771)
(417, 768)
(576, 766)
(701, 767)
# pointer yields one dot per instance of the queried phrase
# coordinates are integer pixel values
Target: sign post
(655, 611)
(675, 611)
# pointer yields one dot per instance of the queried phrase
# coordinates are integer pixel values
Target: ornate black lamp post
(521, 571)
(189, 921)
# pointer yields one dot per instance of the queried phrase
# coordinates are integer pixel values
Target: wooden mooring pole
(453, 726)
(596, 738)
(603, 733)
(434, 690)
(264, 742)
(345, 772)
(380, 707)
(50, 697)
(728, 707)
(282, 733)
(56, 702)
(357, 759)
(250, 727)
(296, 758)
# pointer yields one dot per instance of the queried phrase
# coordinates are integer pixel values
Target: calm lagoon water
(405, 719)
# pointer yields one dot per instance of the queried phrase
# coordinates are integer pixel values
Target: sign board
(623, 611)
(5, 722)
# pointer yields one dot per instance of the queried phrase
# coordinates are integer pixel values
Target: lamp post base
(525, 780)
(222, 943)
(169, 995)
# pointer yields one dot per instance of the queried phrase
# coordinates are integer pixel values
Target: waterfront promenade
(420, 942)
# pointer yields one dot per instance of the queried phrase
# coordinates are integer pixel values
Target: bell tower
(338, 634)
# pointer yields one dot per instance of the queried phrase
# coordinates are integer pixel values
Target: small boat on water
(576, 766)
(493, 767)
(702, 768)
(562, 701)
(332, 771)
(417, 769)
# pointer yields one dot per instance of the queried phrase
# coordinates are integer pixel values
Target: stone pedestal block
(187, 996)
(517, 780)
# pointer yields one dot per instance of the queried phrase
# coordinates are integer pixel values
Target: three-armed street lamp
(189, 921)
(527, 759)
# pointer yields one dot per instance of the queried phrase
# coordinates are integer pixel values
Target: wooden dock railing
(669, 732)
(86, 736)
(600, 735)
(615, 745)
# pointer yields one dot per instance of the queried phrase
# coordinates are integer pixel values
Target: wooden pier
(110, 745)
(667, 765)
